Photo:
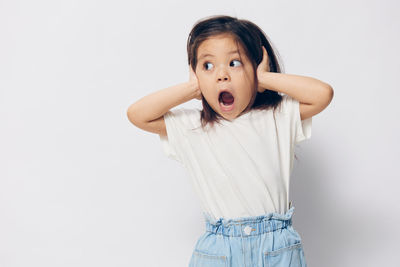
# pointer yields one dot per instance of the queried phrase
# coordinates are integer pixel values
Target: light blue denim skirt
(266, 240)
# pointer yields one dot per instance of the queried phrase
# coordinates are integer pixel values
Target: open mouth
(226, 100)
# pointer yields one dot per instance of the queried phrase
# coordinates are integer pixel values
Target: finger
(266, 58)
(264, 54)
(191, 70)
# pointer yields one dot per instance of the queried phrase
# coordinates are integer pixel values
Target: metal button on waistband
(247, 230)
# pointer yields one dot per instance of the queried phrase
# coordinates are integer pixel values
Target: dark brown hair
(251, 38)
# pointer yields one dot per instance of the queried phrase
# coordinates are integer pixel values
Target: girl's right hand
(193, 79)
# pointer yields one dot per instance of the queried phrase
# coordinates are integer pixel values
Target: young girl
(239, 148)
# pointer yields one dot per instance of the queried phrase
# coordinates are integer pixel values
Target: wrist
(263, 81)
(193, 88)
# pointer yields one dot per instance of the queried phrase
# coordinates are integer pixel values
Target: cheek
(200, 79)
(248, 91)
(203, 84)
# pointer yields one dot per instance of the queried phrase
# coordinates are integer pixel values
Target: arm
(147, 113)
(313, 95)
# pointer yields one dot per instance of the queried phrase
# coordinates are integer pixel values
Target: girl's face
(219, 69)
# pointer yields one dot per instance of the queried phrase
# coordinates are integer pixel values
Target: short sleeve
(300, 129)
(177, 123)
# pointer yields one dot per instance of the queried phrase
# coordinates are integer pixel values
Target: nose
(223, 75)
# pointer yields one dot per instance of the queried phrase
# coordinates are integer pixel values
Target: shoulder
(183, 114)
(185, 118)
(292, 105)
(286, 104)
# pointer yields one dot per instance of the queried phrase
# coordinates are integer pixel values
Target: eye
(205, 65)
(237, 61)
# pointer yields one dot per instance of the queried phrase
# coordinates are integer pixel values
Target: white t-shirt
(242, 167)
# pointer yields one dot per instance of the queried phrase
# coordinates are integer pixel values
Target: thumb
(265, 55)
(264, 65)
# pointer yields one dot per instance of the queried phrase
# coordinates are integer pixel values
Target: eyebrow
(210, 55)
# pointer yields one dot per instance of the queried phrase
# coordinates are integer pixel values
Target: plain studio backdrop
(81, 186)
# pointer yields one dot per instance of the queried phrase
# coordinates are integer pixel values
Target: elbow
(134, 116)
(330, 89)
(130, 113)
(328, 94)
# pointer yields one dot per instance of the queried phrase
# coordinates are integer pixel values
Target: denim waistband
(249, 226)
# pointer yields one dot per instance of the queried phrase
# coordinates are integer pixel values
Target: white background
(81, 186)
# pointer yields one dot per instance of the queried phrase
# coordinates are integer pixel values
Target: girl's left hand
(262, 68)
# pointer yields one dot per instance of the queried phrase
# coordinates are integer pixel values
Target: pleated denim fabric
(267, 240)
